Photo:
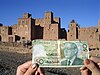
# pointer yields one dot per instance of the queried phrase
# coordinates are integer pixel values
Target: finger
(91, 66)
(23, 68)
(98, 64)
(83, 67)
(95, 59)
(84, 72)
(31, 70)
(36, 73)
(40, 71)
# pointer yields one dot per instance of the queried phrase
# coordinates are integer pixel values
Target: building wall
(51, 32)
(39, 21)
(14, 30)
(4, 33)
(25, 27)
(89, 34)
(48, 28)
(29, 28)
(49, 25)
(73, 31)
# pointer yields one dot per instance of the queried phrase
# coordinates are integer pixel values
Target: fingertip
(35, 65)
(86, 61)
(83, 67)
(84, 72)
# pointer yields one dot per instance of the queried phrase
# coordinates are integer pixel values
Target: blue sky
(85, 12)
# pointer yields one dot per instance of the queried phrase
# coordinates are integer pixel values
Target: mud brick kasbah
(49, 28)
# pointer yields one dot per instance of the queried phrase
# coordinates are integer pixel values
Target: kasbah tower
(49, 28)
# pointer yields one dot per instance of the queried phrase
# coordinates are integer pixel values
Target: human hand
(28, 69)
(93, 65)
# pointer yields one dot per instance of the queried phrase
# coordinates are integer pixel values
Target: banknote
(59, 53)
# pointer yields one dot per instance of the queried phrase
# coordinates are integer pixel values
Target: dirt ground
(9, 61)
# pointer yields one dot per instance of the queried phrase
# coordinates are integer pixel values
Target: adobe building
(28, 28)
(48, 28)
(90, 34)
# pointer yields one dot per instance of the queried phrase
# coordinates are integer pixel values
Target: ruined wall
(39, 21)
(14, 30)
(48, 27)
(51, 32)
(25, 27)
(89, 34)
(4, 33)
(73, 31)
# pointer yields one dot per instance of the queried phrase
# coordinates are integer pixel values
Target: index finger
(26, 65)
(23, 68)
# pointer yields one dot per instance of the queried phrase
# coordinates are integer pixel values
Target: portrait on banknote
(59, 53)
(73, 53)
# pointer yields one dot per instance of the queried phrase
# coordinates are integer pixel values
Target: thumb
(92, 67)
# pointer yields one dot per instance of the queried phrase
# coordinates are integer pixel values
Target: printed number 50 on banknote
(59, 53)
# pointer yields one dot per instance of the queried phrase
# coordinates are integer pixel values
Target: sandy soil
(9, 61)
